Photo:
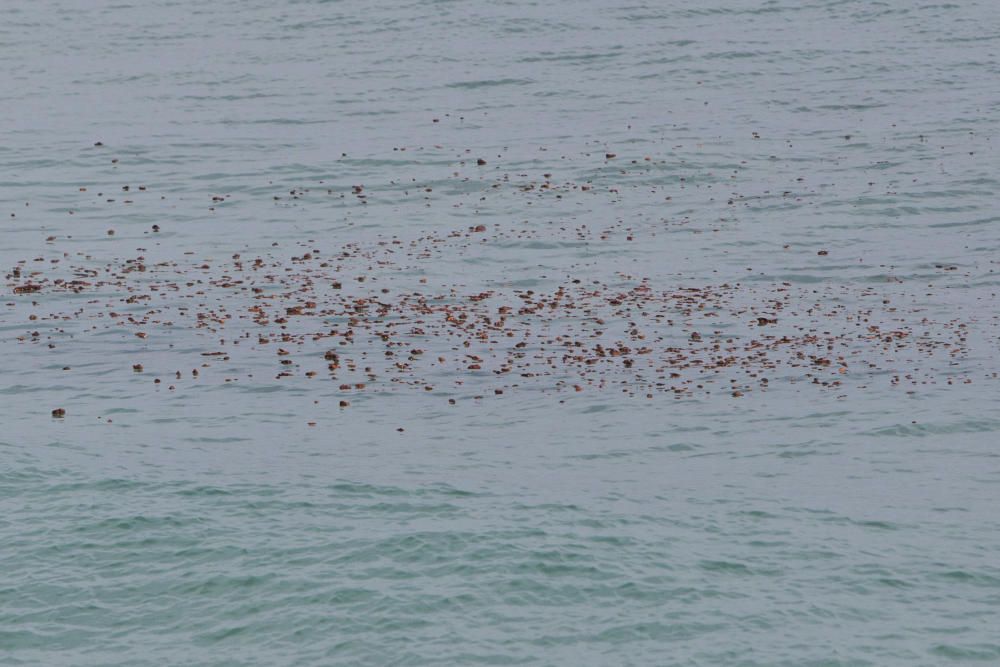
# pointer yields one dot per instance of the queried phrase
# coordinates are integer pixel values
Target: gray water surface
(829, 164)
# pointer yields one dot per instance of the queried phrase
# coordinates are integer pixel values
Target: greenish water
(829, 165)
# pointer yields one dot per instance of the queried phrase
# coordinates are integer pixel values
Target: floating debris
(365, 315)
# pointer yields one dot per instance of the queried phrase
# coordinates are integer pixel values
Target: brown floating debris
(388, 330)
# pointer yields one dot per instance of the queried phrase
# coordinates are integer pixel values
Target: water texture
(782, 215)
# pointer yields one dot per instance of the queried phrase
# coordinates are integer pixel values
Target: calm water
(243, 518)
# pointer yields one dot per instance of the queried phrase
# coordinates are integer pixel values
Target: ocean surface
(508, 333)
